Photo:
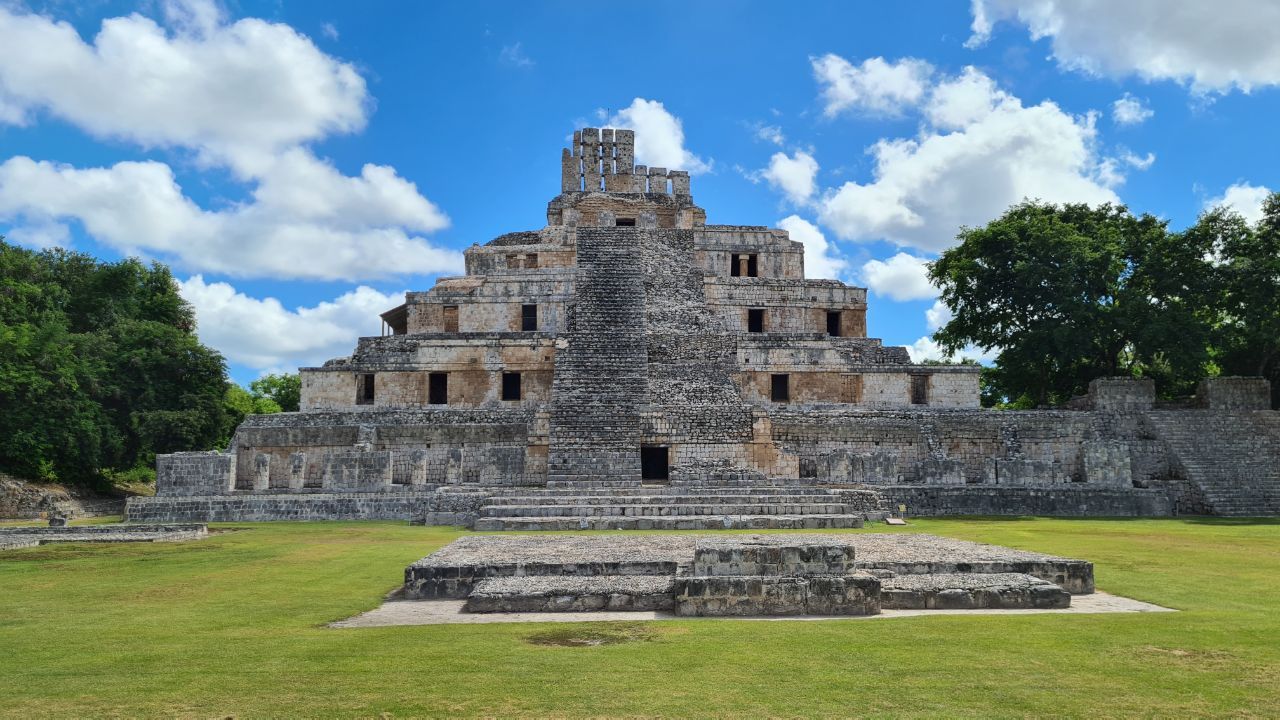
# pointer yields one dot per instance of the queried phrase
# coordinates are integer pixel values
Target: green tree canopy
(284, 390)
(100, 368)
(1069, 293)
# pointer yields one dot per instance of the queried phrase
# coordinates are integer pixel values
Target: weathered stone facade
(629, 344)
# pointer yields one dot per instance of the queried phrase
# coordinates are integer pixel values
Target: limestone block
(941, 471)
(1234, 393)
(1122, 394)
(1107, 462)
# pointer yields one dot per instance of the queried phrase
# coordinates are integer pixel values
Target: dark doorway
(653, 463)
(919, 389)
(438, 389)
(625, 222)
(510, 386)
(755, 320)
(833, 323)
(780, 388)
(528, 318)
(364, 389)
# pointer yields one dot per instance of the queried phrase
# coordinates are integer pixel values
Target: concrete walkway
(449, 612)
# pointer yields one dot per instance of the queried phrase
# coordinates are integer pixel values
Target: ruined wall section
(401, 366)
(777, 256)
(790, 306)
(491, 303)
(374, 452)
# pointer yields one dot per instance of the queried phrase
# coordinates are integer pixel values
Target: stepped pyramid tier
(695, 376)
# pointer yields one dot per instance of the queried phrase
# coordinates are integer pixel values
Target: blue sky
(301, 164)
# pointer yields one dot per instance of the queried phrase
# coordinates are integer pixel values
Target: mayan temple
(631, 366)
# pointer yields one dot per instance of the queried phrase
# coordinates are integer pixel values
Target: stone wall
(1048, 501)
(195, 473)
(402, 505)
(1234, 393)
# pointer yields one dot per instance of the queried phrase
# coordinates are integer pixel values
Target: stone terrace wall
(1054, 502)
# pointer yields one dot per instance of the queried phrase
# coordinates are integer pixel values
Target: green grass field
(235, 626)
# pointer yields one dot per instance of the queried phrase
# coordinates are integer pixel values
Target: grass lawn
(234, 626)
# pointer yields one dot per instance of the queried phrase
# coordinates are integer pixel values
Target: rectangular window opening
(780, 388)
(364, 389)
(510, 386)
(449, 313)
(531, 261)
(919, 389)
(528, 318)
(438, 388)
(654, 463)
(753, 266)
(735, 266)
(755, 320)
(625, 222)
(833, 323)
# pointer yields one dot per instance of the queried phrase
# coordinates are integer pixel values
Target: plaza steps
(632, 593)
(560, 593)
(1232, 458)
(681, 508)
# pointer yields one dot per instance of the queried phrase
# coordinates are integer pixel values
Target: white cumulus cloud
(263, 334)
(820, 257)
(659, 137)
(875, 85)
(1244, 198)
(1130, 110)
(306, 220)
(926, 349)
(247, 96)
(793, 174)
(901, 277)
(237, 93)
(980, 151)
(1210, 46)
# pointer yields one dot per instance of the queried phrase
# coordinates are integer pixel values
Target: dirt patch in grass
(594, 635)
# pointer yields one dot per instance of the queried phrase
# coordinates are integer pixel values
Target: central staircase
(779, 507)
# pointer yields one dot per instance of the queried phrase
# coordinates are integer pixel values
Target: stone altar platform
(782, 574)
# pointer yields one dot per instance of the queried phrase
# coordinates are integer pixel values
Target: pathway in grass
(235, 625)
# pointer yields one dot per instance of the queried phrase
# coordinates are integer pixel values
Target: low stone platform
(742, 574)
(24, 536)
(967, 591)
(572, 594)
(406, 613)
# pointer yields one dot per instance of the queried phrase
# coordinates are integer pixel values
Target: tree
(1248, 335)
(1070, 293)
(284, 389)
(100, 369)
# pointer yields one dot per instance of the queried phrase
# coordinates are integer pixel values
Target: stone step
(673, 522)
(698, 499)
(663, 510)
(970, 591)
(565, 593)
(663, 490)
